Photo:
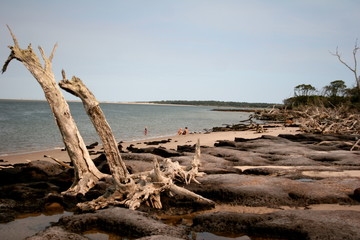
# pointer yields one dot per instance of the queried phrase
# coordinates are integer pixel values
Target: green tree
(335, 89)
(304, 90)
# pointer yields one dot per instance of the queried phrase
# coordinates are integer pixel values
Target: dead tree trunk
(132, 190)
(86, 173)
(117, 167)
(353, 69)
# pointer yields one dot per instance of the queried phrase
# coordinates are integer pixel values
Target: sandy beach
(206, 139)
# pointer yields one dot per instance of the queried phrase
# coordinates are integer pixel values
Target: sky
(149, 50)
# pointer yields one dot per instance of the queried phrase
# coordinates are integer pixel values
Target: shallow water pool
(28, 225)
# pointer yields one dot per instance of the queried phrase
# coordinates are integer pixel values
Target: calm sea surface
(27, 126)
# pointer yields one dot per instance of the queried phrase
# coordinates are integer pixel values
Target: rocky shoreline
(290, 174)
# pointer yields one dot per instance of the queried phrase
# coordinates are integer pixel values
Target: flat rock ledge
(288, 224)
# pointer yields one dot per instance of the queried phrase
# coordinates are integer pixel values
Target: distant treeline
(217, 103)
(332, 95)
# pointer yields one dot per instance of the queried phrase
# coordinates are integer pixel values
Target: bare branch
(338, 55)
(12, 54)
(63, 75)
(356, 48)
(53, 52)
(16, 43)
(354, 69)
(58, 161)
(11, 57)
(42, 53)
(355, 145)
(47, 61)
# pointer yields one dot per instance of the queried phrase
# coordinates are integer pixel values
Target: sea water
(27, 126)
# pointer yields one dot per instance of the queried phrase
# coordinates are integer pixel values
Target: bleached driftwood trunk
(117, 167)
(132, 190)
(86, 173)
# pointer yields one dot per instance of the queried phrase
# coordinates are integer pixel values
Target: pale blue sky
(142, 50)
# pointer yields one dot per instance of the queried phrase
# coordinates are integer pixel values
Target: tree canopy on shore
(332, 95)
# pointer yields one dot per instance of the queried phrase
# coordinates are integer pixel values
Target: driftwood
(87, 175)
(329, 120)
(58, 161)
(117, 167)
(149, 186)
(317, 119)
(356, 145)
(274, 115)
(242, 126)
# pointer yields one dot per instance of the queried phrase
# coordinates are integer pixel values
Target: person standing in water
(145, 131)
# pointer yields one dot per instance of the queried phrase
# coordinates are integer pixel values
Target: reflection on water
(28, 225)
(225, 236)
(304, 180)
(101, 235)
(218, 236)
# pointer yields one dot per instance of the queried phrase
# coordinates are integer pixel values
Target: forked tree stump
(86, 173)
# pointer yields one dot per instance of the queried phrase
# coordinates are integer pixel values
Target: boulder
(92, 146)
(185, 148)
(158, 142)
(356, 194)
(133, 149)
(166, 153)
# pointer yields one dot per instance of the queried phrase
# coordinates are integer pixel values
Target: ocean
(28, 126)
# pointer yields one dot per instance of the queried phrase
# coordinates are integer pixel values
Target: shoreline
(206, 139)
(49, 149)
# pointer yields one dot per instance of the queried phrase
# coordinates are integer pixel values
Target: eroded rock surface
(288, 224)
(278, 172)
